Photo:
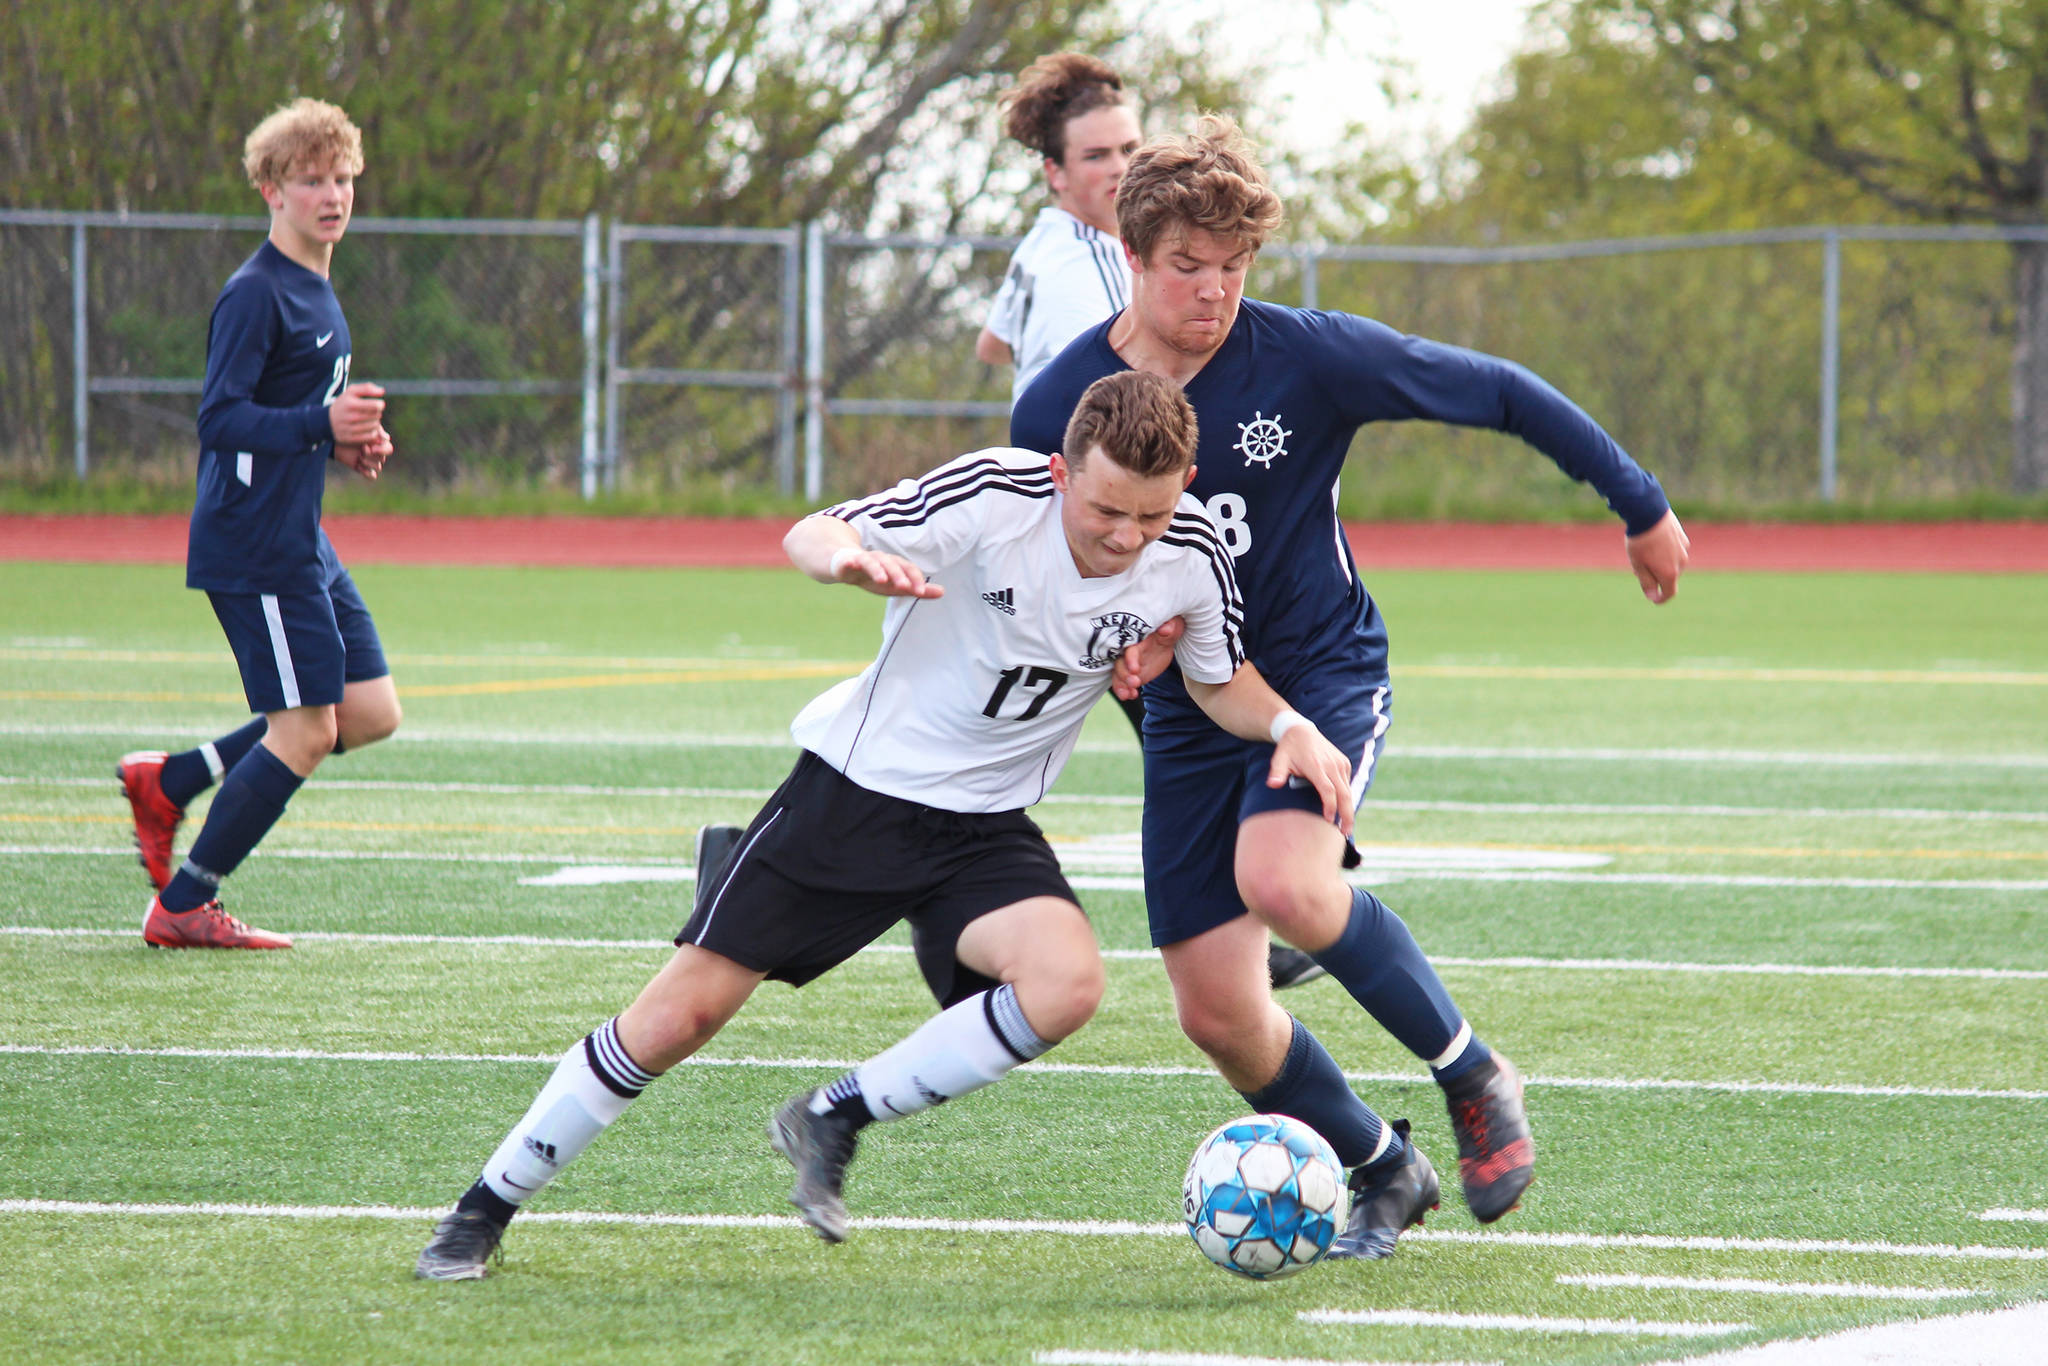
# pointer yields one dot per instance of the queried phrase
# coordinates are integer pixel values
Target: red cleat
(156, 816)
(1496, 1156)
(204, 927)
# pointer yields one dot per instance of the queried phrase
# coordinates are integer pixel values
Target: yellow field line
(1607, 674)
(680, 831)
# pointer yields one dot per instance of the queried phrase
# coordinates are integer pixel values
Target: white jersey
(976, 698)
(1064, 277)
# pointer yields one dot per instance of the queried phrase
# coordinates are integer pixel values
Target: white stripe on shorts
(245, 467)
(1361, 775)
(282, 649)
(725, 876)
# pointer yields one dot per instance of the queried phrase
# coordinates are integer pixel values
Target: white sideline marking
(1742, 1287)
(1133, 884)
(1069, 1357)
(1053, 1068)
(1647, 965)
(1520, 1323)
(145, 728)
(755, 794)
(2016, 1216)
(1083, 1228)
(2002, 1337)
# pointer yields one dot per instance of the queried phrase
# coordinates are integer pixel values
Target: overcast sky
(1452, 51)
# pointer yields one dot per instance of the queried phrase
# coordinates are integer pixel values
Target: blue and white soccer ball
(1264, 1196)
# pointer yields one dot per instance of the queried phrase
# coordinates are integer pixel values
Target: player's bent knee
(1059, 999)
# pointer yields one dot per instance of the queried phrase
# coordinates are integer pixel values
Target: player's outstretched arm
(1141, 663)
(1248, 708)
(1658, 556)
(829, 550)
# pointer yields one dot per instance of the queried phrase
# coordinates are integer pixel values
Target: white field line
(144, 728)
(1130, 955)
(1700, 811)
(1067, 1356)
(1134, 884)
(1732, 1286)
(1048, 1068)
(2016, 1216)
(1093, 1228)
(1520, 1323)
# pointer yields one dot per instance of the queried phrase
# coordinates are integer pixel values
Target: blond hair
(1052, 92)
(1141, 421)
(1209, 180)
(305, 132)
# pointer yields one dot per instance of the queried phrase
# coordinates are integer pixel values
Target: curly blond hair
(1210, 180)
(305, 132)
(1051, 92)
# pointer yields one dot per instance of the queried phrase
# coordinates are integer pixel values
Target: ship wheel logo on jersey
(1262, 440)
(1114, 633)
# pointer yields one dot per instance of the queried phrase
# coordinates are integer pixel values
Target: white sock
(592, 1086)
(961, 1049)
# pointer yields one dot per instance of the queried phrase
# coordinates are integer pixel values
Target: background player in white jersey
(1280, 394)
(1016, 585)
(1067, 275)
(276, 406)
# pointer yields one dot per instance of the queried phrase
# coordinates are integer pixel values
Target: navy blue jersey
(277, 353)
(1277, 405)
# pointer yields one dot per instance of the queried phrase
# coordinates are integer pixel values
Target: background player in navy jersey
(1280, 393)
(276, 406)
(1015, 585)
(1067, 275)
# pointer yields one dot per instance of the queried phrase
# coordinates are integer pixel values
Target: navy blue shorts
(1201, 783)
(300, 649)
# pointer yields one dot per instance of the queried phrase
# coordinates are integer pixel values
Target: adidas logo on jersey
(1004, 600)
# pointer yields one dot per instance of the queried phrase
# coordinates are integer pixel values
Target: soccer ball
(1263, 1196)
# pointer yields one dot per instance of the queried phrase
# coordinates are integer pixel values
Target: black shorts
(828, 866)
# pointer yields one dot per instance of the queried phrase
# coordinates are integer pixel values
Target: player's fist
(357, 414)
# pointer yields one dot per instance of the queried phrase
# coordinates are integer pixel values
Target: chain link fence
(1861, 365)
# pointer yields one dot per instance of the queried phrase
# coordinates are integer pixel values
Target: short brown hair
(305, 132)
(1053, 91)
(1142, 422)
(1209, 180)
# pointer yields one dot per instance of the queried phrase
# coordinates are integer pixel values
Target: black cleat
(819, 1147)
(1384, 1204)
(715, 844)
(1290, 967)
(1496, 1155)
(463, 1242)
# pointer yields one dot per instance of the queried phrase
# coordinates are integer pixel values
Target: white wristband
(1286, 721)
(842, 557)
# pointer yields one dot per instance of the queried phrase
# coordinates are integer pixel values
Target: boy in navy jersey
(1279, 393)
(276, 407)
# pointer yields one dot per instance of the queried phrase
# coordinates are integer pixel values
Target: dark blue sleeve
(1380, 375)
(1038, 423)
(238, 343)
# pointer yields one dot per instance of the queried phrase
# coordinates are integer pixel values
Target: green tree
(1937, 109)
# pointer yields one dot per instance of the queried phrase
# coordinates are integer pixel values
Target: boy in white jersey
(1016, 584)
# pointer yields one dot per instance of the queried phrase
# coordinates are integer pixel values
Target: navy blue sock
(1384, 969)
(187, 775)
(252, 797)
(1312, 1089)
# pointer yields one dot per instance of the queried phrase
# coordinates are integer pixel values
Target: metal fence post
(792, 362)
(615, 324)
(592, 263)
(1830, 357)
(1311, 255)
(81, 382)
(814, 361)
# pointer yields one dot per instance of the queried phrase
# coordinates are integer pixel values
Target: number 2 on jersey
(1049, 681)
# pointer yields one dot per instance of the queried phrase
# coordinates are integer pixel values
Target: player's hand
(1303, 753)
(1139, 664)
(357, 415)
(886, 575)
(366, 457)
(1658, 556)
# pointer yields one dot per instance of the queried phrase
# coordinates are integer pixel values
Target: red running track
(662, 542)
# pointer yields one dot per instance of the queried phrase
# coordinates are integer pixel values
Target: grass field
(1753, 887)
